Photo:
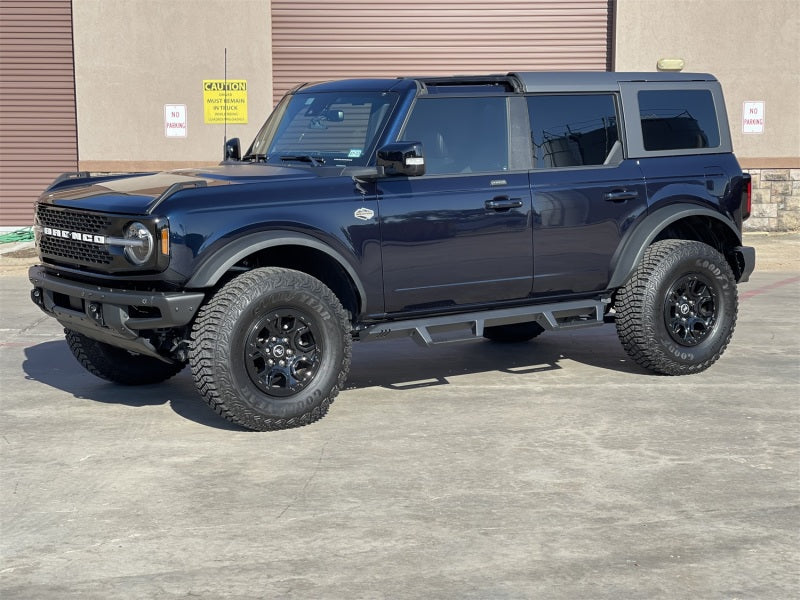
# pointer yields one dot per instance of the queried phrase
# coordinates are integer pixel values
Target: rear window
(572, 130)
(678, 119)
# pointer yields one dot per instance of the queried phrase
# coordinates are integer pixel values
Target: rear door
(461, 234)
(586, 196)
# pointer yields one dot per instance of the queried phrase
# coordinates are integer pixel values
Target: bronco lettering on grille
(75, 235)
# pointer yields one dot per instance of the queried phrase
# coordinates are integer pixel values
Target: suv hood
(140, 193)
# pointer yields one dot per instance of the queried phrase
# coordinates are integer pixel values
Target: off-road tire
(119, 365)
(677, 311)
(271, 349)
(511, 334)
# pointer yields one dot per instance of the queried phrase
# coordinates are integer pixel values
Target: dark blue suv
(494, 206)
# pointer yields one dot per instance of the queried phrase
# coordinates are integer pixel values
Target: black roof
(590, 81)
(535, 81)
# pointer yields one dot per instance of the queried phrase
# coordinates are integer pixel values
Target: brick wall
(776, 200)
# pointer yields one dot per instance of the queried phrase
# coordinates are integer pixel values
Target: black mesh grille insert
(71, 250)
(73, 220)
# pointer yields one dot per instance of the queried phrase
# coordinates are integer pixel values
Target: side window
(460, 135)
(678, 119)
(573, 130)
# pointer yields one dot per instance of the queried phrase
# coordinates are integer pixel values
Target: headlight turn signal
(165, 241)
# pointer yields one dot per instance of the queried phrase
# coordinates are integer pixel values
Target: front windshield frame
(316, 113)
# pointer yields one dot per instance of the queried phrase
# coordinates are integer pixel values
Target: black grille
(75, 251)
(73, 220)
(72, 250)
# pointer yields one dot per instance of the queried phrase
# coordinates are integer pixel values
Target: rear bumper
(111, 315)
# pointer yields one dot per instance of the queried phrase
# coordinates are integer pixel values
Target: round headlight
(138, 243)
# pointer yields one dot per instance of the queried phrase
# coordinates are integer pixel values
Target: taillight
(747, 196)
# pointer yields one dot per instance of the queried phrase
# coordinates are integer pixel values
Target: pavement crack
(35, 324)
(302, 491)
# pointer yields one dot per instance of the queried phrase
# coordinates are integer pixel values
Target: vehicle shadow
(52, 363)
(399, 365)
(403, 365)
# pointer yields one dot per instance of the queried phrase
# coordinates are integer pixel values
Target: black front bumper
(110, 315)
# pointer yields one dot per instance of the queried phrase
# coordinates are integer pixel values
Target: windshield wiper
(315, 161)
(254, 157)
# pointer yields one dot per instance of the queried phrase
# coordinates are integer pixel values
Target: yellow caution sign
(225, 100)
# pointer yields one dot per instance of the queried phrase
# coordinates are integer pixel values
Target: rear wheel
(517, 332)
(677, 312)
(271, 349)
(118, 365)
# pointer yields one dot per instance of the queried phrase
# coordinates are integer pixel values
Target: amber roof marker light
(670, 64)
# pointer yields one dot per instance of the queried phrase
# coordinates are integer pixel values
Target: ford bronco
(497, 206)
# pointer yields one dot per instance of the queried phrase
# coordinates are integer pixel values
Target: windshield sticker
(354, 153)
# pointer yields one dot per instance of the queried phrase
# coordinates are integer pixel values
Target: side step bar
(560, 315)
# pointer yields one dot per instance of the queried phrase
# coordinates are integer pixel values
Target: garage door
(315, 41)
(37, 103)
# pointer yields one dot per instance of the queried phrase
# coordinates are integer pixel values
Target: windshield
(328, 128)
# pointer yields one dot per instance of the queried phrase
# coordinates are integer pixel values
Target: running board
(561, 315)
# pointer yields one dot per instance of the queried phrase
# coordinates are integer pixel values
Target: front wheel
(677, 311)
(271, 349)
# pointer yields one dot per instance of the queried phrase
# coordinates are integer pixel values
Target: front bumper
(114, 316)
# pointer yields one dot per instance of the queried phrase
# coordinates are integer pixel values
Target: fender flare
(215, 266)
(632, 250)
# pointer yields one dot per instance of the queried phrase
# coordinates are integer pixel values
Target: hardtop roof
(550, 81)
(530, 81)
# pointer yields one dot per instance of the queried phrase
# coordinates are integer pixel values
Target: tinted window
(572, 130)
(460, 135)
(335, 127)
(678, 119)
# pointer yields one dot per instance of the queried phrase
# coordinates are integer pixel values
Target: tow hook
(37, 297)
(96, 312)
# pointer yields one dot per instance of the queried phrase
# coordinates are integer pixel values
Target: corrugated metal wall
(314, 40)
(38, 132)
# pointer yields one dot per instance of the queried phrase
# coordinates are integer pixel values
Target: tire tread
(209, 323)
(638, 293)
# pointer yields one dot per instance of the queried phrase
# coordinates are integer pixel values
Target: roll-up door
(38, 138)
(314, 40)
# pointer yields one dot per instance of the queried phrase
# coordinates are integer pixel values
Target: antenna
(225, 102)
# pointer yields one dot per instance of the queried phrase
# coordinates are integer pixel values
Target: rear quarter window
(678, 119)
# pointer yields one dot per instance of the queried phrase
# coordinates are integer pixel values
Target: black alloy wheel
(282, 352)
(690, 309)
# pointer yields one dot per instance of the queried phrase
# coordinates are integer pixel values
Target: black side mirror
(233, 149)
(402, 158)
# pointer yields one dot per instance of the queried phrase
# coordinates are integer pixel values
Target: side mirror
(233, 149)
(402, 158)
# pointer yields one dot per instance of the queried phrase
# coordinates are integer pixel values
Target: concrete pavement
(555, 469)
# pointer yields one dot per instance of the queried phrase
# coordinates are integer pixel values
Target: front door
(461, 234)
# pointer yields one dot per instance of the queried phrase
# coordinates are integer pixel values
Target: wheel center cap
(278, 351)
(684, 309)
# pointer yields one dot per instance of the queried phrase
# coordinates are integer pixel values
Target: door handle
(503, 203)
(620, 195)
